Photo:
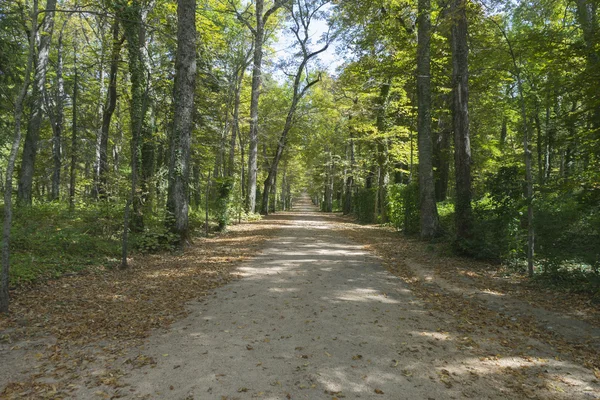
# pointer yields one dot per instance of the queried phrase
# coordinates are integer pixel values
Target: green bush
(223, 210)
(47, 240)
(155, 240)
(403, 207)
(567, 226)
(497, 232)
(364, 205)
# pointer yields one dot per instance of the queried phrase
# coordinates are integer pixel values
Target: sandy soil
(320, 314)
(318, 317)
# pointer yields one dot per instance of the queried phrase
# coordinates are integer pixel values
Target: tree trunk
(539, 146)
(587, 16)
(254, 97)
(73, 166)
(382, 153)
(8, 187)
(235, 123)
(429, 217)
(350, 180)
(185, 83)
(57, 120)
(462, 144)
(303, 19)
(24, 193)
(441, 158)
(109, 109)
(242, 171)
(132, 24)
(259, 37)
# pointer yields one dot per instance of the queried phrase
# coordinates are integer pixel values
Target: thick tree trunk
(329, 183)
(587, 16)
(8, 187)
(185, 83)
(72, 172)
(109, 109)
(462, 145)
(503, 132)
(350, 179)
(382, 153)
(243, 170)
(441, 157)
(132, 24)
(429, 217)
(259, 38)
(303, 19)
(235, 123)
(24, 193)
(57, 120)
(254, 98)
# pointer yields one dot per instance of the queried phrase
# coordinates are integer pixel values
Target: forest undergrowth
(453, 286)
(80, 328)
(58, 328)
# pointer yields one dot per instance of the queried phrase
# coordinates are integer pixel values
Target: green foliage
(497, 232)
(224, 186)
(403, 204)
(573, 278)
(567, 228)
(48, 240)
(155, 240)
(337, 205)
(364, 205)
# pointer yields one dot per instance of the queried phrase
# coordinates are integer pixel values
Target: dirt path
(316, 316)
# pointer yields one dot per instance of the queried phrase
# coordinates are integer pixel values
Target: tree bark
(462, 144)
(57, 119)
(587, 16)
(185, 83)
(382, 153)
(259, 36)
(132, 24)
(24, 193)
(8, 187)
(429, 217)
(72, 173)
(254, 97)
(302, 20)
(441, 157)
(350, 179)
(107, 114)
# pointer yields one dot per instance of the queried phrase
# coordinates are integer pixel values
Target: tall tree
(56, 114)
(185, 83)
(258, 32)
(100, 176)
(74, 138)
(303, 13)
(462, 143)
(134, 33)
(30, 147)
(8, 188)
(429, 216)
(382, 152)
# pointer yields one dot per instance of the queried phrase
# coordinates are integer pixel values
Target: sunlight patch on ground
(434, 335)
(492, 292)
(364, 295)
(251, 271)
(336, 380)
(283, 290)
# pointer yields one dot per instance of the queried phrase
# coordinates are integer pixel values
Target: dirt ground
(326, 309)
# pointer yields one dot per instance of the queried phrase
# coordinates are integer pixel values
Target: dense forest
(135, 125)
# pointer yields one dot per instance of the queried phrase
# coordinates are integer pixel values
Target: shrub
(223, 210)
(403, 206)
(364, 205)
